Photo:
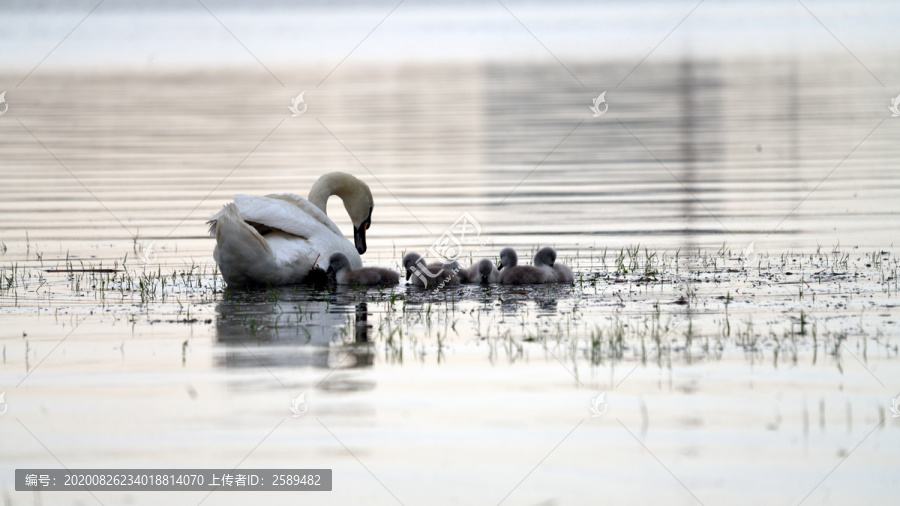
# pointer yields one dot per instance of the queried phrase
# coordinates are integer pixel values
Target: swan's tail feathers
(236, 237)
(212, 227)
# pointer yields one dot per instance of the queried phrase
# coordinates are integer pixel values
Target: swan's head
(485, 269)
(359, 229)
(336, 263)
(508, 258)
(409, 260)
(357, 200)
(545, 257)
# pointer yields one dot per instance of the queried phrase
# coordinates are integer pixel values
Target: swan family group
(285, 239)
(435, 275)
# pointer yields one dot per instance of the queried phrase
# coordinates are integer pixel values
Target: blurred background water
(746, 123)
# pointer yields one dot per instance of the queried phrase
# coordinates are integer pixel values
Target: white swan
(278, 239)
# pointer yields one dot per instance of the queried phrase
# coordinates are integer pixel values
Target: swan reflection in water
(296, 327)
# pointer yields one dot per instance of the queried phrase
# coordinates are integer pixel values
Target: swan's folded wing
(287, 212)
(307, 208)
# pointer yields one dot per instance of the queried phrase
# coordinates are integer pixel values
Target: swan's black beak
(330, 272)
(408, 274)
(359, 239)
(359, 233)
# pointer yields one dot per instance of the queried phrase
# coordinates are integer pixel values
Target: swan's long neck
(354, 193)
(345, 186)
(323, 188)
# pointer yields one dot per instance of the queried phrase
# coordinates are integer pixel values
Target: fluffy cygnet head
(336, 263)
(409, 260)
(545, 257)
(508, 258)
(485, 269)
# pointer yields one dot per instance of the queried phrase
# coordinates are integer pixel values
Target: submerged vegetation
(634, 305)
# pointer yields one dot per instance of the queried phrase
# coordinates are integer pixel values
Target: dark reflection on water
(362, 327)
(296, 327)
(508, 298)
(293, 327)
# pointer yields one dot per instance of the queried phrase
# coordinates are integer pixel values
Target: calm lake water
(744, 351)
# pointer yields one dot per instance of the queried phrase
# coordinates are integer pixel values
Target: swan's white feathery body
(278, 239)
